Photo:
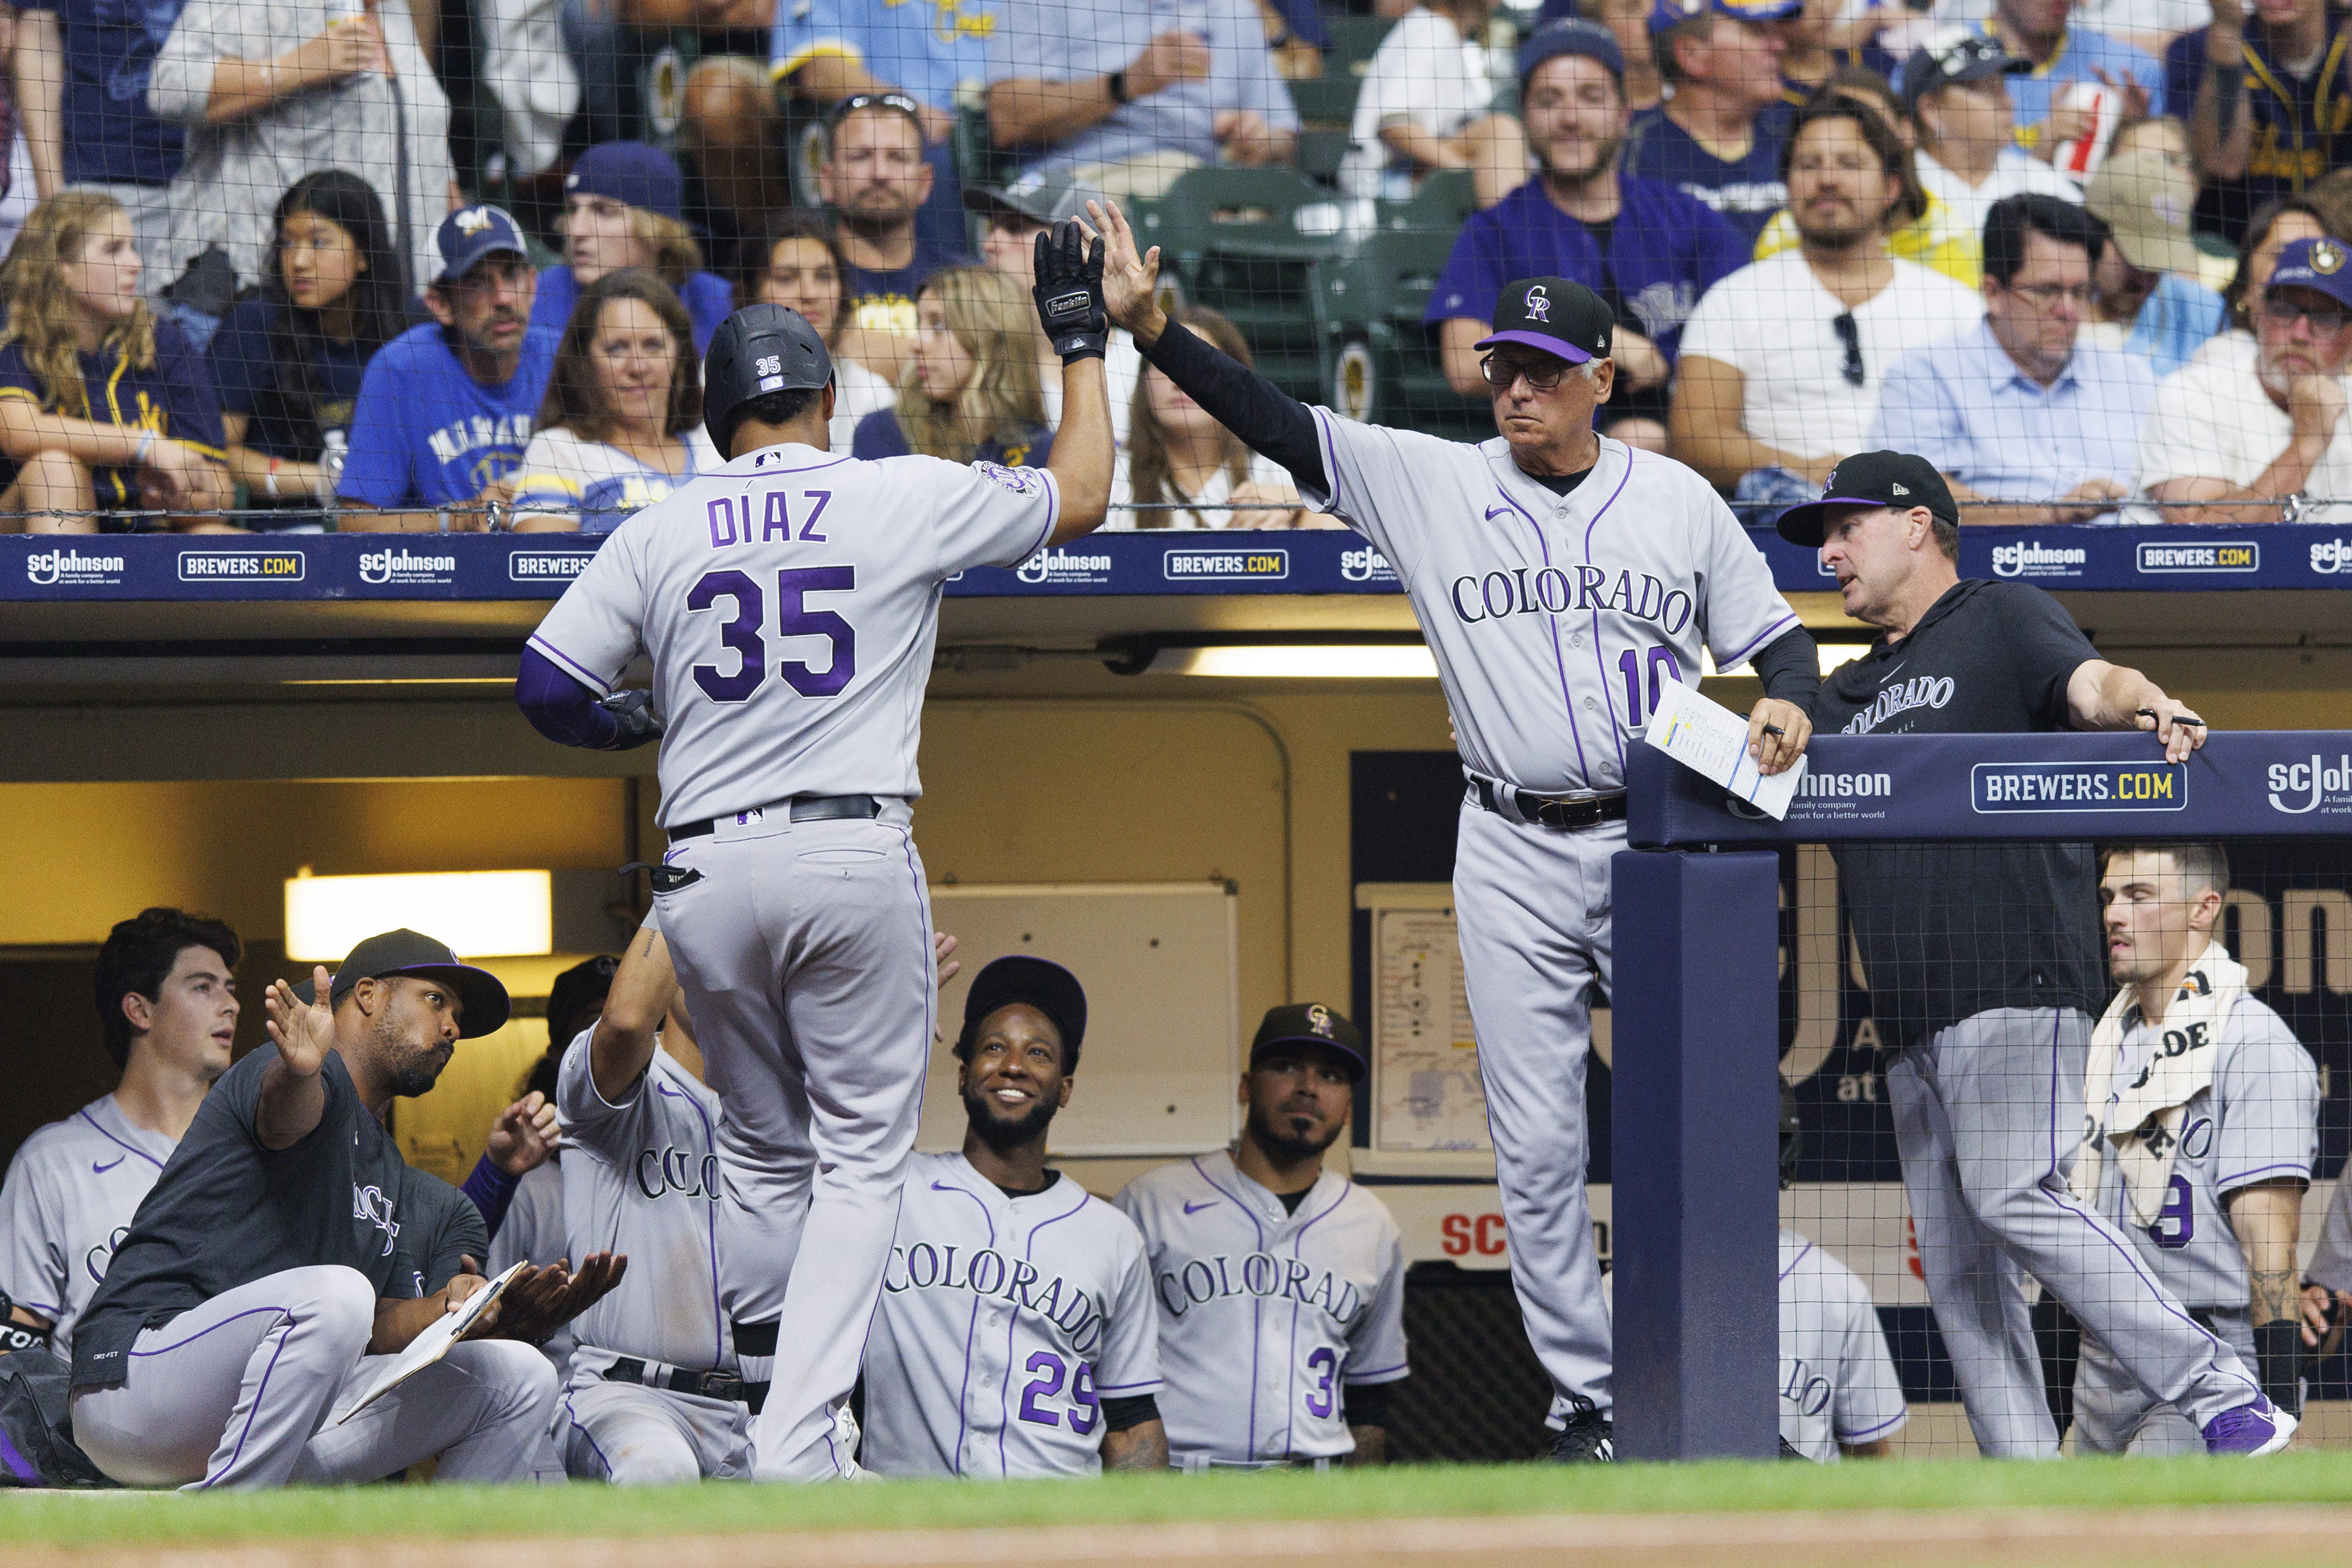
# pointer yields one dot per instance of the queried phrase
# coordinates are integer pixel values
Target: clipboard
(430, 1345)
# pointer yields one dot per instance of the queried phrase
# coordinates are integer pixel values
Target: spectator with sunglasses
(1782, 362)
(2231, 444)
(875, 181)
(2022, 409)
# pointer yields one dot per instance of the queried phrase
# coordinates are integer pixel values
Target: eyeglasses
(1500, 373)
(1849, 332)
(2045, 295)
(857, 100)
(2286, 313)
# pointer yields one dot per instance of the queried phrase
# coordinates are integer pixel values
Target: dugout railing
(1697, 919)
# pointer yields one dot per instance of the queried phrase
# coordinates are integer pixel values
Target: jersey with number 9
(789, 603)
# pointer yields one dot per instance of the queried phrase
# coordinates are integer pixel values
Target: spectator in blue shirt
(624, 206)
(2020, 410)
(1131, 95)
(1645, 247)
(2063, 57)
(2269, 103)
(875, 181)
(445, 410)
(2148, 297)
(80, 70)
(1718, 136)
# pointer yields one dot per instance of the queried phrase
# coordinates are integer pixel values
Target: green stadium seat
(1320, 153)
(1329, 100)
(1380, 364)
(1355, 40)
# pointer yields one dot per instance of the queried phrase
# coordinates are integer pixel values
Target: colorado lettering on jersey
(102, 1254)
(480, 432)
(660, 1172)
(369, 1203)
(1260, 1274)
(1550, 590)
(1918, 692)
(984, 1271)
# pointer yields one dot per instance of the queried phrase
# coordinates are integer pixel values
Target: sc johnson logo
(54, 567)
(1997, 788)
(2239, 555)
(1184, 565)
(241, 566)
(2329, 556)
(397, 565)
(1366, 565)
(1056, 565)
(2033, 559)
(547, 566)
(2298, 787)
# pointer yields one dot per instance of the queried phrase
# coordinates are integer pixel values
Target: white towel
(2142, 1119)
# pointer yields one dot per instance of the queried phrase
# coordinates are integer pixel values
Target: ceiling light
(1300, 662)
(477, 912)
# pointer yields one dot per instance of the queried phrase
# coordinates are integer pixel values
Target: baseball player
(167, 1012)
(1016, 1336)
(1983, 962)
(1839, 1394)
(2202, 1121)
(790, 602)
(1281, 1284)
(1560, 579)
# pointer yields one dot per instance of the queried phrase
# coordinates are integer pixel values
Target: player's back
(71, 1191)
(789, 604)
(1837, 1381)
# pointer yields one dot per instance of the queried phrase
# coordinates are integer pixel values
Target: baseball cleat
(1589, 1438)
(2252, 1431)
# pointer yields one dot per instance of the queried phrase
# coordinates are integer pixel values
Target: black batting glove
(1070, 294)
(633, 710)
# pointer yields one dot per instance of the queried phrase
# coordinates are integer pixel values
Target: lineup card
(1426, 1087)
(1711, 740)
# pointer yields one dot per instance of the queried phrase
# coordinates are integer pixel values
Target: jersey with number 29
(789, 603)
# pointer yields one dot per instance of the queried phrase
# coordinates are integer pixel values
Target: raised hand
(1130, 281)
(538, 1301)
(302, 1031)
(523, 1135)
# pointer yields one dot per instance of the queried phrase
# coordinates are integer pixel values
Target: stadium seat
(1379, 363)
(1320, 153)
(1328, 101)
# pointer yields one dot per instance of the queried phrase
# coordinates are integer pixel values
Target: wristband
(1118, 80)
(146, 445)
(269, 480)
(2278, 1357)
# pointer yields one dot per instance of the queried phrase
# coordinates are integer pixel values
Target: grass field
(118, 1521)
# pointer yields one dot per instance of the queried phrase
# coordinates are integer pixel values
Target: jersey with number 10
(790, 602)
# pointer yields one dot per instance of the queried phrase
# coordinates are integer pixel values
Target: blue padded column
(1695, 1158)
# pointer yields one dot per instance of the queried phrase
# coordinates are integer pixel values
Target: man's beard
(863, 215)
(1002, 1135)
(1286, 1146)
(1604, 158)
(409, 1070)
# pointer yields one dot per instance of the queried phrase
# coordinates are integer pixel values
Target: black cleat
(1589, 1438)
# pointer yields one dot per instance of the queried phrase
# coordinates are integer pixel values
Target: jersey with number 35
(790, 602)
(1266, 1315)
(1004, 1325)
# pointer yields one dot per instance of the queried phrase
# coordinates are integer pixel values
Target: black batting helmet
(761, 348)
(1792, 1134)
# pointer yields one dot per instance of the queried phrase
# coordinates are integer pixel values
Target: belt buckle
(722, 1385)
(1557, 814)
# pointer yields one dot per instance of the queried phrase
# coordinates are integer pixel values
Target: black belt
(1552, 813)
(724, 1386)
(806, 809)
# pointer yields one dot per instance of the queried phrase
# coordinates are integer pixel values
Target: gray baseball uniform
(1006, 1322)
(71, 1194)
(1837, 1380)
(533, 1234)
(1555, 620)
(2258, 1122)
(789, 603)
(1266, 1313)
(642, 1179)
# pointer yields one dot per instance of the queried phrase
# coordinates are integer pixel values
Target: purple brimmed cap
(406, 952)
(1555, 314)
(1874, 479)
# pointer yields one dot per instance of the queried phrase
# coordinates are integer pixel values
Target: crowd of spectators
(253, 278)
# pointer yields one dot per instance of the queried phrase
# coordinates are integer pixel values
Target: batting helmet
(1792, 1134)
(761, 348)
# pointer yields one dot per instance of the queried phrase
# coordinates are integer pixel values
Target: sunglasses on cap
(857, 100)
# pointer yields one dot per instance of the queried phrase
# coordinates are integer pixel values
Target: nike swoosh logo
(1494, 512)
(97, 1169)
(1197, 1207)
(942, 1187)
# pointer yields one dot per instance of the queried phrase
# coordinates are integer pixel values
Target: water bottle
(331, 470)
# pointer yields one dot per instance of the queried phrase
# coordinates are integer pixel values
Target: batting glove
(634, 711)
(1070, 294)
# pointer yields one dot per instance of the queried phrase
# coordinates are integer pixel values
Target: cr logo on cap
(1318, 1017)
(1539, 304)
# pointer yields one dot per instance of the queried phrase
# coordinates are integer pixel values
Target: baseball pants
(241, 1392)
(2114, 1414)
(1532, 908)
(1986, 1118)
(634, 1436)
(804, 950)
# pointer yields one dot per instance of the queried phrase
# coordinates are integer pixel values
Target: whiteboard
(1161, 964)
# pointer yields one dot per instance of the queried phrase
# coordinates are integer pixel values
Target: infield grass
(95, 1519)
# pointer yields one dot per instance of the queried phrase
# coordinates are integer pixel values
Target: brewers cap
(1571, 35)
(1312, 1023)
(1556, 315)
(470, 234)
(1665, 14)
(633, 173)
(2315, 263)
(1895, 479)
(412, 953)
(1039, 983)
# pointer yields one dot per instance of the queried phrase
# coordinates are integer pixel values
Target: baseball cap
(1872, 480)
(1312, 1023)
(2144, 201)
(1556, 315)
(1947, 60)
(2315, 263)
(578, 988)
(1571, 35)
(633, 173)
(1039, 983)
(471, 234)
(406, 952)
(1667, 15)
(1052, 196)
